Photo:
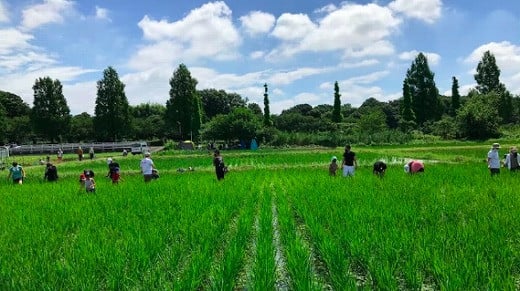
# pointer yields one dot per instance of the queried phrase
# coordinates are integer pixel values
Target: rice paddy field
(278, 221)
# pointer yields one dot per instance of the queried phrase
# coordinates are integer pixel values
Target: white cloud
(206, 32)
(358, 30)
(257, 22)
(102, 13)
(13, 39)
(307, 98)
(433, 58)
(285, 78)
(292, 27)
(4, 15)
(326, 9)
(31, 60)
(426, 10)
(51, 11)
(362, 63)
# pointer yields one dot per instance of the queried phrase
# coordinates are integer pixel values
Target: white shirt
(146, 166)
(493, 159)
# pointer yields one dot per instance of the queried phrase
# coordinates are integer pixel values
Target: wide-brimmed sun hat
(496, 145)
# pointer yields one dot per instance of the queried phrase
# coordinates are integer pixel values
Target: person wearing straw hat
(512, 161)
(493, 159)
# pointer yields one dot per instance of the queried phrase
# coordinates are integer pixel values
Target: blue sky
(299, 48)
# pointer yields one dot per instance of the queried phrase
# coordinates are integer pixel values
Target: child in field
(333, 167)
(90, 184)
(113, 172)
(17, 173)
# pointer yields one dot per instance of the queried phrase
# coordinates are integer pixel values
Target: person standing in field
(91, 153)
(17, 173)
(80, 153)
(493, 159)
(147, 167)
(512, 161)
(220, 167)
(414, 167)
(333, 167)
(60, 155)
(51, 173)
(379, 169)
(349, 163)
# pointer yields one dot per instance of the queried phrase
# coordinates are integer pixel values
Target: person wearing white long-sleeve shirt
(493, 159)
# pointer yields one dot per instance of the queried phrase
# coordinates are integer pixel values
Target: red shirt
(416, 166)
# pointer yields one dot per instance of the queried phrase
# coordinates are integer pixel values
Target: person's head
(49, 165)
(15, 164)
(334, 159)
(513, 150)
(495, 146)
(147, 155)
(216, 153)
(407, 168)
(347, 148)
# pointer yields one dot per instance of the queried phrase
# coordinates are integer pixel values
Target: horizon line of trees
(211, 114)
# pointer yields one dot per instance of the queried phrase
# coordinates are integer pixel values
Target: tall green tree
(424, 94)
(406, 110)
(488, 80)
(267, 113)
(455, 97)
(50, 115)
(184, 108)
(479, 118)
(336, 111)
(112, 111)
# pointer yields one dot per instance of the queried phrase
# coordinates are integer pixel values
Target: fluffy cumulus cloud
(425, 10)
(507, 56)
(206, 32)
(257, 22)
(357, 30)
(433, 58)
(50, 11)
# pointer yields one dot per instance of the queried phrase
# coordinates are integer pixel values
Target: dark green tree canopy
(240, 124)
(336, 112)
(112, 112)
(184, 108)
(267, 112)
(455, 97)
(148, 121)
(488, 74)
(424, 94)
(216, 102)
(81, 128)
(14, 105)
(50, 114)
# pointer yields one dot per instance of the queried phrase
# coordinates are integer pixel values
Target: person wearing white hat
(333, 167)
(493, 159)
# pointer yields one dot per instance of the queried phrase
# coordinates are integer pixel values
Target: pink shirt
(415, 166)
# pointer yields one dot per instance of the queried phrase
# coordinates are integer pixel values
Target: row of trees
(213, 114)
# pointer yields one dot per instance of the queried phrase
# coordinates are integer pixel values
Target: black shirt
(348, 158)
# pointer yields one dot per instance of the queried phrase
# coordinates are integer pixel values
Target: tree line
(216, 115)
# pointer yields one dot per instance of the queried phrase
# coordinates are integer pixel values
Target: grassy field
(277, 221)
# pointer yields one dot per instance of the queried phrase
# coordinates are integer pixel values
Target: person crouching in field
(414, 167)
(113, 172)
(17, 173)
(379, 169)
(333, 167)
(51, 173)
